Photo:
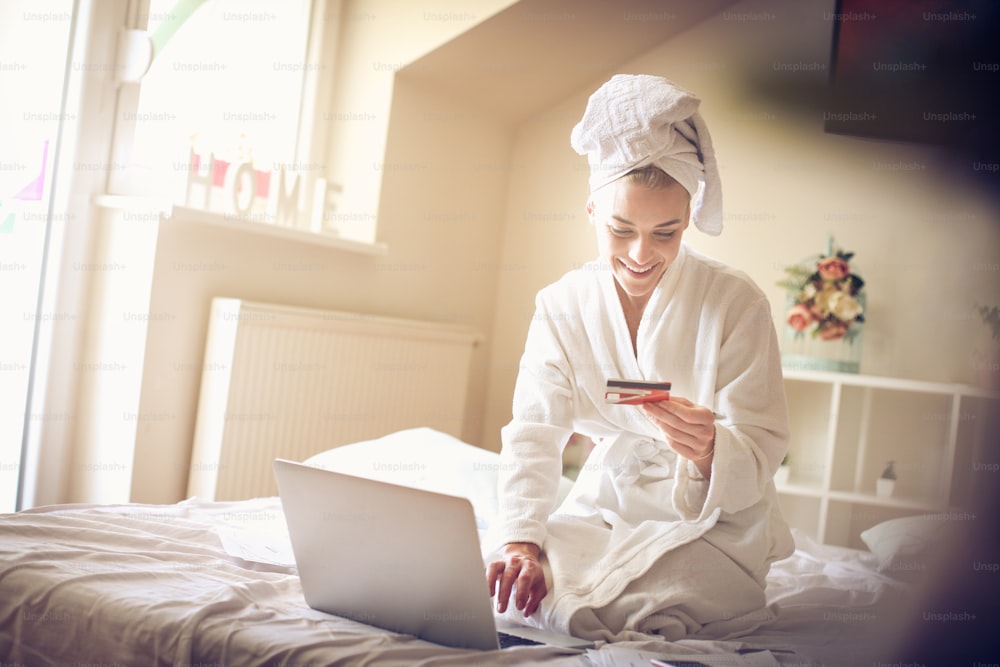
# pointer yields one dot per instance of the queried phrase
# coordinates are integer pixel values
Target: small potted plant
(781, 476)
(886, 484)
(987, 353)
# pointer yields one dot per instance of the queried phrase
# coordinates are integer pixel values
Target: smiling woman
(677, 487)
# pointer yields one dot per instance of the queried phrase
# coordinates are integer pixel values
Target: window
(217, 114)
(33, 54)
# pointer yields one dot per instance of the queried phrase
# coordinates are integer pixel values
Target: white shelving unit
(845, 427)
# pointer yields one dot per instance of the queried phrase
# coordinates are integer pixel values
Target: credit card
(634, 392)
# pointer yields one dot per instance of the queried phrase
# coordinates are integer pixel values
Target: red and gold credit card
(634, 392)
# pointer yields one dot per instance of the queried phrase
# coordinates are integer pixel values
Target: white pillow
(426, 459)
(906, 547)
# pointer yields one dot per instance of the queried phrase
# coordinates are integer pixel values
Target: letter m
(283, 206)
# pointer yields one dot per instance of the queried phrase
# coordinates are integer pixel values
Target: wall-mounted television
(924, 71)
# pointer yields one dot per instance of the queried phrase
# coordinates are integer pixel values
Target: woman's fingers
(525, 583)
(500, 578)
(493, 572)
(686, 425)
(521, 576)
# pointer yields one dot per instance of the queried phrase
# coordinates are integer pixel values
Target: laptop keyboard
(507, 640)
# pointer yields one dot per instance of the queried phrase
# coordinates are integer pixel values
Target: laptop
(395, 557)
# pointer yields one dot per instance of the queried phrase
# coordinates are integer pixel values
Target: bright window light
(226, 81)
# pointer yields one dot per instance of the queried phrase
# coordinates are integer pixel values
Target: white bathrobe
(644, 545)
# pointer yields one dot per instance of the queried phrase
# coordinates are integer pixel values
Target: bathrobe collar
(651, 317)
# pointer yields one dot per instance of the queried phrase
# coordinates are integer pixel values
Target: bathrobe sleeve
(752, 433)
(541, 424)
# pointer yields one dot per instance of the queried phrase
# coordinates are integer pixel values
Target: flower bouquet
(826, 305)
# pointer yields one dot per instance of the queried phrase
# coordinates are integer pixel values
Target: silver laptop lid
(395, 557)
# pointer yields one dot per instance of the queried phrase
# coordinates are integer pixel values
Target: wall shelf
(278, 231)
(170, 211)
(845, 427)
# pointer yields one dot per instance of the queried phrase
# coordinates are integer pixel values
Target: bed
(210, 582)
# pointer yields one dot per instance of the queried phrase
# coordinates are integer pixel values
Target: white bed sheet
(214, 583)
(153, 585)
(150, 585)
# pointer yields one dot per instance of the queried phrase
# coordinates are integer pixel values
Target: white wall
(439, 215)
(926, 242)
(478, 216)
(377, 38)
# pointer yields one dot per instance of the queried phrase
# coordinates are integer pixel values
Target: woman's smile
(639, 272)
(639, 233)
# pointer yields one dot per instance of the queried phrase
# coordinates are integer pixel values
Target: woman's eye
(626, 232)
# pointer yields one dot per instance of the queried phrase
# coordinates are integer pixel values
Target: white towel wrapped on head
(633, 121)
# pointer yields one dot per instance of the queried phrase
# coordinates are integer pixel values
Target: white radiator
(288, 382)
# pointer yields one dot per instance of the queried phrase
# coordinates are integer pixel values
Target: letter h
(200, 177)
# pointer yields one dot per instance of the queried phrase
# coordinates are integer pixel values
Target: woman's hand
(689, 429)
(519, 572)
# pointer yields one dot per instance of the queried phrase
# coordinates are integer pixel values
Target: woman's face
(639, 232)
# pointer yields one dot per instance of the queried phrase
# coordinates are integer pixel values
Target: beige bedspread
(152, 585)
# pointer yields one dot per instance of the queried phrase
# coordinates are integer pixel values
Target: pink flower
(832, 330)
(833, 268)
(799, 317)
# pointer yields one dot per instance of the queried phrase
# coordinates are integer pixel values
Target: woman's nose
(641, 250)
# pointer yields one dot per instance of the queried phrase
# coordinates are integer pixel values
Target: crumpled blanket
(603, 584)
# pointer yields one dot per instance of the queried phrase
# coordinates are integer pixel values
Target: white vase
(884, 487)
(800, 351)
